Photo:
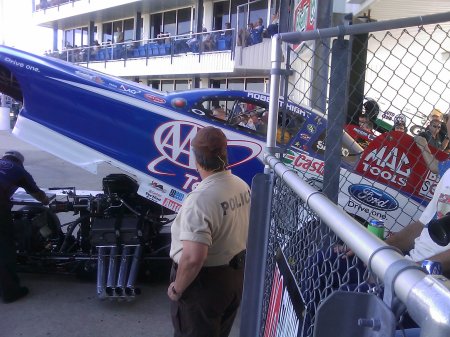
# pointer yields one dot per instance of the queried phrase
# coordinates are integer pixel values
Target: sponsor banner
(305, 17)
(304, 163)
(284, 315)
(395, 160)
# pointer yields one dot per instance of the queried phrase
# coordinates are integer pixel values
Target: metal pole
(274, 94)
(336, 117)
(255, 262)
(321, 56)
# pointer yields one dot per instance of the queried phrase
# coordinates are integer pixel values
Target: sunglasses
(436, 126)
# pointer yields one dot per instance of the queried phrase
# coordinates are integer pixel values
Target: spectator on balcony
(228, 35)
(207, 43)
(244, 39)
(95, 48)
(119, 36)
(256, 35)
(272, 29)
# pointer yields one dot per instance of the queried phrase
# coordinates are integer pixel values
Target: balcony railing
(44, 4)
(164, 45)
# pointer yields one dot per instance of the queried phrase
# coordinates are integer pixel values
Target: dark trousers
(209, 305)
(9, 281)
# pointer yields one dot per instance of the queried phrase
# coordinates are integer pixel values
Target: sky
(17, 29)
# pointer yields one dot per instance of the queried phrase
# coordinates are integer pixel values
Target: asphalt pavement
(65, 306)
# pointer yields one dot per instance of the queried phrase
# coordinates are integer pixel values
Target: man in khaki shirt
(209, 237)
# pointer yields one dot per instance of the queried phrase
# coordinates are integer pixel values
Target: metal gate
(317, 195)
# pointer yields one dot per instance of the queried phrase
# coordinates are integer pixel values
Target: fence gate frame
(421, 293)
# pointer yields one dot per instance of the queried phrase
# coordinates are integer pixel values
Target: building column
(55, 37)
(91, 33)
(137, 29)
(5, 122)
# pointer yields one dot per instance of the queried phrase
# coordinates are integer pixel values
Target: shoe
(21, 292)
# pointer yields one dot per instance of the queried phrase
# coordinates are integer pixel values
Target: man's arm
(192, 258)
(404, 239)
(430, 160)
(40, 196)
(444, 259)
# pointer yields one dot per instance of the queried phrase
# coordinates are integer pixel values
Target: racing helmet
(15, 155)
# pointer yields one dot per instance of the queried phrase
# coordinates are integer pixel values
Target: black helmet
(14, 155)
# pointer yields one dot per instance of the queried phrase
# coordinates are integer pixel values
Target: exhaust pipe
(123, 271)
(130, 289)
(101, 281)
(112, 271)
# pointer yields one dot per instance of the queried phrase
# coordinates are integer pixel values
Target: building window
(110, 30)
(173, 22)
(184, 21)
(255, 84)
(181, 85)
(76, 37)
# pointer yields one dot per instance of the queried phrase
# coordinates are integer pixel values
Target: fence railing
(312, 266)
(198, 43)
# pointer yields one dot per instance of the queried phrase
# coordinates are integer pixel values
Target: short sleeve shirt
(424, 246)
(216, 214)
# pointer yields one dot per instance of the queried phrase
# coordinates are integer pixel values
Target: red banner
(394, 159)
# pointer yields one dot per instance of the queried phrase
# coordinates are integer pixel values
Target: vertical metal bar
(320, 61)
(336, 116)
(274, 93)
(257, 246)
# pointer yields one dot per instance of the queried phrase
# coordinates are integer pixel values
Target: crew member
(209, 237)
(12, 176)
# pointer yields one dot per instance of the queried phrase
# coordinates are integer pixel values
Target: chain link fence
(364, 83)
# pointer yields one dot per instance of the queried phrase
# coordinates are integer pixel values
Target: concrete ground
(64, 306)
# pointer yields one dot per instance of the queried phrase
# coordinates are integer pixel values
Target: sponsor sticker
(373, 197)
(429, 184)
(154, 99)
(176, 195)
(171, 204)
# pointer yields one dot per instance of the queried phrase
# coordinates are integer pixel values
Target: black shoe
(21, 292)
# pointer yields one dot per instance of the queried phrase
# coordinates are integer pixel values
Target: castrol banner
(394, 159)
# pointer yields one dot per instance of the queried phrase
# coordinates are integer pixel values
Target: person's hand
(421, 141)
(341, 249)
(46, 200)
(173, 294)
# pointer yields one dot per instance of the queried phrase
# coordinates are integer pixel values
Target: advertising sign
(305, 17)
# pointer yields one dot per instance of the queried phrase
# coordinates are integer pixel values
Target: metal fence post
(336, 116)
(255, 265)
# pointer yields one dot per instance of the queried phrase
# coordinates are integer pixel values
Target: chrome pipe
(123, 271)
(112, 271)
(101, 266)
(130, 289)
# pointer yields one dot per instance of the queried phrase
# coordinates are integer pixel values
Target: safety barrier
(311, 207)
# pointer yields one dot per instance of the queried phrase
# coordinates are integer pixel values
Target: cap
(210, 141)
(15, 154)
(436, 112)
(400, 120)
